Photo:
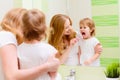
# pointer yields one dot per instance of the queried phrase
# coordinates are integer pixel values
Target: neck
(32, 42)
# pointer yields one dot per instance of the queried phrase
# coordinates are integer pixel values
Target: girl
(90, 46)
(34, 51)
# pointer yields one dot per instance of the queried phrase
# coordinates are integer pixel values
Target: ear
(91, 30)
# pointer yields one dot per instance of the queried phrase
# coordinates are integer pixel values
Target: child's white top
(87, 50)
(5, 39)
(32, 55)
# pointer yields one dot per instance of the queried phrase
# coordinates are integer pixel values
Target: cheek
(80, 30)
(66, 30)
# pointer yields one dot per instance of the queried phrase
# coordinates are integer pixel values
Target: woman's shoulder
(7, 38)
(6, 33)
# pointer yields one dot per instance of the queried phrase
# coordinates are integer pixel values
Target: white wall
(76, 9)
(55, 7)
(5, 5)
(79, 9)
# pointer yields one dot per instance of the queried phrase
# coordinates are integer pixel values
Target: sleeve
(96, 41)
(51, 49)
(7, 38)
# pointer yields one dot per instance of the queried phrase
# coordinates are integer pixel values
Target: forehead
(67, 22)
(83, 25)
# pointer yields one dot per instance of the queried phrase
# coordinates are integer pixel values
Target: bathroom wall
(78, 9)
(106, 14)
(5, 5)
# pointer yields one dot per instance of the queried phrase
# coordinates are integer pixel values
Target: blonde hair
(56, 31)
(34, 25)
(13, 21)
(90, 23)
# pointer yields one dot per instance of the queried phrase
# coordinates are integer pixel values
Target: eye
(67, 27)
(84, 27)
(80, 27)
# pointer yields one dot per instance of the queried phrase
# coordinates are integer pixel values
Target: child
(33, 51)
(90, 47)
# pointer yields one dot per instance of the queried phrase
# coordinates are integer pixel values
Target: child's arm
(98, 50)
(52, 75)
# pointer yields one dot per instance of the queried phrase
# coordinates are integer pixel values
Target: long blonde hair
(13, 21)
(56, 31)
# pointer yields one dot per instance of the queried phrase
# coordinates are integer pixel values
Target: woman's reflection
(62, 37)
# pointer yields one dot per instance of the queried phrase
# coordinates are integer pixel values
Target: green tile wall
(105, 14)
(104, 2)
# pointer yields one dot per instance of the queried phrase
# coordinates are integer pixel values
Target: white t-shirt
(32, 55)
(87, 50)
(5, 39)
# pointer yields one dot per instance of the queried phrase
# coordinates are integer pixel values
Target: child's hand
(87, 62)
(52, 75)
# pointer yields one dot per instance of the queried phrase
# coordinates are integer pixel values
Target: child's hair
(56, 30)
(34, 25)
(12, 21)
(90, 23)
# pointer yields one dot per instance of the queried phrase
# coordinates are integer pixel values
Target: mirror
(105, 13)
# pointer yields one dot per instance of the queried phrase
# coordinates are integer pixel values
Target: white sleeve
(7, 38)
(96, 41)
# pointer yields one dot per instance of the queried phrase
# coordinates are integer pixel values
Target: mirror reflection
(105, 14)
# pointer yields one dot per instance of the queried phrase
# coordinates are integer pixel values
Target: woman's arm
(79, 53)
(9, 60)
(63, 57)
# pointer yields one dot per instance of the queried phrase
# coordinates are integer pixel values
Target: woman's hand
(73, 41)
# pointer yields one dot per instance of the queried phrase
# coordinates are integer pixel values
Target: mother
(10, 38)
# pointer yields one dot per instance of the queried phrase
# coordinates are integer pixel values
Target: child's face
(85, 32)
(67, 28)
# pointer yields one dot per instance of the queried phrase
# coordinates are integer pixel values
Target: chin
(85, 37)
(67, 34)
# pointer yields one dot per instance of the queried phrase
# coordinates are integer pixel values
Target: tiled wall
(105, 13)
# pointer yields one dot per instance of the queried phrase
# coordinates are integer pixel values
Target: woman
(63, 38)
(10, 38)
